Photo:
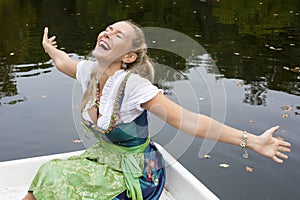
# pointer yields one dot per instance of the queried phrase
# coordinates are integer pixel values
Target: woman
(118, 92)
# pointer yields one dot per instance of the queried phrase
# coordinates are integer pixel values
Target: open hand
(272, 147)
(48, 43)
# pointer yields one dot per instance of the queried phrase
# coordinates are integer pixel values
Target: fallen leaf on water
(275, 48)
(286, 108)
(249, 169)
(247, 57)
(206, 156)
(76, 141)
(296, 69)
(284, 115)
(286, 68)
(223, 165)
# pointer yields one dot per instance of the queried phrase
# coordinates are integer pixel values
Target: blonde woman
(118, 93)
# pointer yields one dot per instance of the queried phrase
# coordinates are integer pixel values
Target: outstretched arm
(206, 127)
(61, 59)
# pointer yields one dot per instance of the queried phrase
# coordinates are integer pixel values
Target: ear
(129, 57)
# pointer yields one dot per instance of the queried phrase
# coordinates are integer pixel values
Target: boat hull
(16, 176)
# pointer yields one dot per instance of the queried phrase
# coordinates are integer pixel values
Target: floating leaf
(286, 108)
(76, 141)
(247, 57)
(296, 69)
(206, 156)
(286, 68)
(249, 169)
(275, 49)
(224, 165)
(284, 115)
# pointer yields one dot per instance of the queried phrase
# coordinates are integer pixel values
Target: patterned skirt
(96, 174)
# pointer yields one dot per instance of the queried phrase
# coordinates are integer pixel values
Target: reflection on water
(255, 45)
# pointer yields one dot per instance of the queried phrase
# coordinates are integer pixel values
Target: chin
(97, 54)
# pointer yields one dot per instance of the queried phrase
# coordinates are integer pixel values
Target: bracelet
(244, 145)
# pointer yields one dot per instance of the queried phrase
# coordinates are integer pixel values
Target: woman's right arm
(61, 59)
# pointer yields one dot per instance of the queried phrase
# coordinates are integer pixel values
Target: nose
(106, 35)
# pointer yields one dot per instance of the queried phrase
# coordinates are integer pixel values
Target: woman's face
(114, 42)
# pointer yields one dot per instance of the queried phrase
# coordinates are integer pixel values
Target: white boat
(16, 176)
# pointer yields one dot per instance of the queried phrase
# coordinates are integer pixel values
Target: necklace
(97, 100)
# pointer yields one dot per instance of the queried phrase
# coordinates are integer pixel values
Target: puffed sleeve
(138, 90)
(83, 72)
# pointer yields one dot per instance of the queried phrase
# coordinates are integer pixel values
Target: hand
(48, 43)
(272, 147)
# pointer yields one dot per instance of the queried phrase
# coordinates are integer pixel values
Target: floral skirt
(96, 174)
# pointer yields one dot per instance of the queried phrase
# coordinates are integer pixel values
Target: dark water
(256, 48)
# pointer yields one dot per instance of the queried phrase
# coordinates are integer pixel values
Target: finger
(276, 159)
(274, 129)
(284, 149)
(45, 37)
(281, 155)
(284, 143)
(52, 38)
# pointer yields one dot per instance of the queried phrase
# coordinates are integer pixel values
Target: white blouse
(137, 91)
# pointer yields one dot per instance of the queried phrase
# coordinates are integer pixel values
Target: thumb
(274, 129)
(45, 33)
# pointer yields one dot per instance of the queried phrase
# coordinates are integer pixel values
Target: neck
(109, 70)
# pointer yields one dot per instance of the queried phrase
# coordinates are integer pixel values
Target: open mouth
(104, 45)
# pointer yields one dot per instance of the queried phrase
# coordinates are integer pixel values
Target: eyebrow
(118, 31)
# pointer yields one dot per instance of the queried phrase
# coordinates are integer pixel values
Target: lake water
(248, 77)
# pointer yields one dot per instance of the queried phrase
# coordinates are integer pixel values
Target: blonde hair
(141, 66)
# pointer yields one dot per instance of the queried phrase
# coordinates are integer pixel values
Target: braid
(90, 92)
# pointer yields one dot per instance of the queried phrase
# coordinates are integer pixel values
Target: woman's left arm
(205, 127)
